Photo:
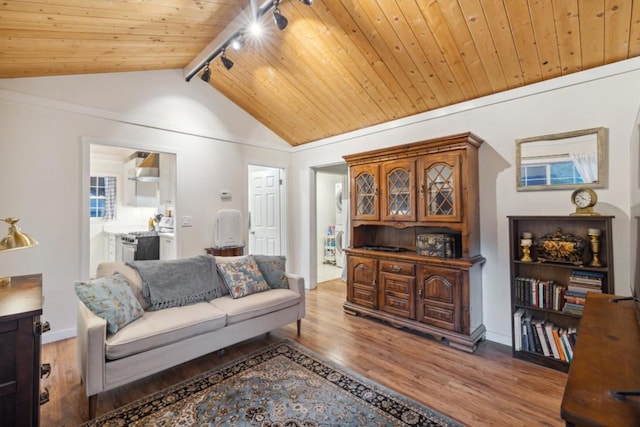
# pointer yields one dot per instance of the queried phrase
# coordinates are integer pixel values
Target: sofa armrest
(92, 333)
(296, 283)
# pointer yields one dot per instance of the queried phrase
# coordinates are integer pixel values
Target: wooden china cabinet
(406, 201)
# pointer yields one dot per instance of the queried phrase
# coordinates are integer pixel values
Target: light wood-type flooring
(481, 389)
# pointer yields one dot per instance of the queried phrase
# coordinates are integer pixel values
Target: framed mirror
(562, 161)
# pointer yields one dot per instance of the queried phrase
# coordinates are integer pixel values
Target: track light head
(307, 2)
(280, 20)
(226, 61)
(238, 42)
(206, 74)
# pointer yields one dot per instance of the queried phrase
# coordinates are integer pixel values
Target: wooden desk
(606, 358)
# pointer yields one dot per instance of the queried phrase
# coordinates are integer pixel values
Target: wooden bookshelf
(559, 273)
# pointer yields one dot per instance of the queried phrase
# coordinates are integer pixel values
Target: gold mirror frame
(554, 142)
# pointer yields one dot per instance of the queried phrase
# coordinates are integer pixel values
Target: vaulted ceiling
(340, 65)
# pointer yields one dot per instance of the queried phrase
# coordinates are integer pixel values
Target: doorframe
(254, 167)
(85, 171)
(313, 220)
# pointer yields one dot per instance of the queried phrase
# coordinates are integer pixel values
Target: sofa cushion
(158, 328)
(255, 305)
(178, 282)
(273, 269)
(110, 268)
(225, 260)
(242, 277)
(110, 298)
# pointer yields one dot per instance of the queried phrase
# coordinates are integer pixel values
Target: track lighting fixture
(206, 74)
(237, 39)
(279, 19)
(226, 61)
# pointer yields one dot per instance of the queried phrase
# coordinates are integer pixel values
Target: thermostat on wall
(225, 195)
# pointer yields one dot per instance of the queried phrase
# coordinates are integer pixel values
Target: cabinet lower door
(361, 281)
(397, 294)
(439, 297)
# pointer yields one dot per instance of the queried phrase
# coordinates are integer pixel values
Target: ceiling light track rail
(237, 39)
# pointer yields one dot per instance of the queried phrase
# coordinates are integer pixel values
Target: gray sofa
(163, 338)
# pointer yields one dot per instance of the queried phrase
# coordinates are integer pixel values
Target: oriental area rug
(283, 385)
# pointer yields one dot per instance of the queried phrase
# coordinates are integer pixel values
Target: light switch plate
(187, 221)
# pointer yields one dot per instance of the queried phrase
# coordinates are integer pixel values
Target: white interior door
(265, 226)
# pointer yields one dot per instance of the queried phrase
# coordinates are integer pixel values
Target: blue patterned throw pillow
(243, 277)
(273, 270)
(110, 298)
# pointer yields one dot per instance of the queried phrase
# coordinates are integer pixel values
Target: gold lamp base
(5, 281)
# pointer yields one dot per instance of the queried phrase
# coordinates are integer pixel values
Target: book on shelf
(582, 289)
(587, 279)
(588, 274)
(531, 341)
(564, 339)
(544, 342)
(556, 338)
(571, 308)
(543, 337)
(549, 330)
(517, 327)
(539, 293)
(525, 335)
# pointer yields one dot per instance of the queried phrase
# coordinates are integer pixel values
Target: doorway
(266, 218)
(331, 221)
(115, 205)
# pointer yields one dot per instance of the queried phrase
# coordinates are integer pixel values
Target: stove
(133, 236)
(140, 246)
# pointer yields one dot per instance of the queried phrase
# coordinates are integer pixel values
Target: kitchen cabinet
(404, 196)
(138, 193)
(110, 247)
(167, 187)
(168, 248)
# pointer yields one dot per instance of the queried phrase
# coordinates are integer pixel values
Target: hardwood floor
(481, 389)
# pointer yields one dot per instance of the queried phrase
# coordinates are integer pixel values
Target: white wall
(607, 97)
(46, 123)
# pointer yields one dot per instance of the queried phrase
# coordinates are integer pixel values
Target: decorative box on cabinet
(20, 369)
(540, 270)
(398, 194)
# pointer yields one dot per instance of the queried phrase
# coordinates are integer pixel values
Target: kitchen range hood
(149, 169)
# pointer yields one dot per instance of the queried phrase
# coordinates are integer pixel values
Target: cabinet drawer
(395, 267)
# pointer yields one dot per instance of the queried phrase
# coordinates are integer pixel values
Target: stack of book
(543, 337)
(581, 282)
(539, 293)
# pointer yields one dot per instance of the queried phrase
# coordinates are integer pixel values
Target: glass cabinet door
(364, 182)
(398, 191)
(440, 189)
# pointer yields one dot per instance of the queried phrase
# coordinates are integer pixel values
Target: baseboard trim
(59, 335)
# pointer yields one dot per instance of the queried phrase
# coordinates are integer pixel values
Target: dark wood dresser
(20, 370)
(228, 251)
(606, 359)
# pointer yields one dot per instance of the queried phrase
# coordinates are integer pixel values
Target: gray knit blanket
(174, 283)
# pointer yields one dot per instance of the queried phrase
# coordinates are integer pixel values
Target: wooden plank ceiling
(340, 65)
